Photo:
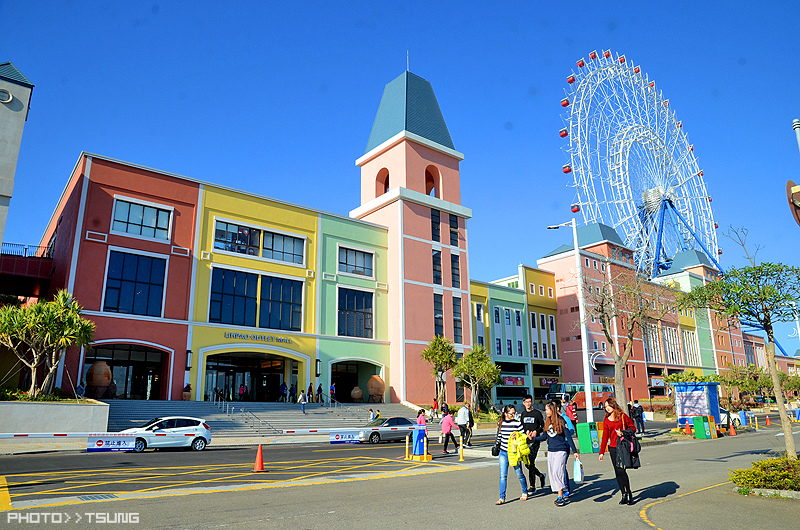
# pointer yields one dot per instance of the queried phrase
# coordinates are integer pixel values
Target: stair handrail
(224, 405)
(245, 412)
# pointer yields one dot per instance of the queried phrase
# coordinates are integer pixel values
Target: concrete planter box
(31, 416)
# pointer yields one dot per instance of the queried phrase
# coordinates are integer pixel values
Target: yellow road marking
(5, 498)
(643, 511)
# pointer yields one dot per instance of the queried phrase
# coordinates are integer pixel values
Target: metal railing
(258, 422)
(25, 251)
(225, 406)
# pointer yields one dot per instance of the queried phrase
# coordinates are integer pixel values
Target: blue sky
(279, 99)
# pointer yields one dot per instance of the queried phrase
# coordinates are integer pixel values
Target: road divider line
(5, 498)
(643, 511)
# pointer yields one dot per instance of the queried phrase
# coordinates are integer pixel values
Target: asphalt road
(681, 485)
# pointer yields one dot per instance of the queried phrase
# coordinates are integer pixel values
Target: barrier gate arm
(356, 429)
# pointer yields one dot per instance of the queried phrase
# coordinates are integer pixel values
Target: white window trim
(126, 250)
(532, 288)
(541, 290)
(550, 292)
(374, 320)
(261, 243)
(301, 279)
(340, 246)
(171, 209)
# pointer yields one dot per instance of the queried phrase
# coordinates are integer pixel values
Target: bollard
(460, 448)
(408, 439)
(425, 447)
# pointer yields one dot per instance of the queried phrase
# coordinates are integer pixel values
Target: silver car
(172, 431)
(386, 431)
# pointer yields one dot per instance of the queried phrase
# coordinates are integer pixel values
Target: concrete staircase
(249, 418)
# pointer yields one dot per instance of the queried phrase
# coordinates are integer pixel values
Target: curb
(763, 492)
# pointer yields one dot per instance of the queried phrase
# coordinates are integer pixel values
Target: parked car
(172, 431)
(385, 424)
(723, 417)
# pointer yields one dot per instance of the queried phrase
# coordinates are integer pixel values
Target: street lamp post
(587, 374)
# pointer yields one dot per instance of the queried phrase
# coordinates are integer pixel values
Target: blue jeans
(303, 407)
(504, 474)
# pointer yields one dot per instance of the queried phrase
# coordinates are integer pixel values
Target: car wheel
(198, 444)
(374, 438)
(140, 445)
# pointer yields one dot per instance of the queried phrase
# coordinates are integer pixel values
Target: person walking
(462, 420)
(508, 424)
(292, 393)
(310, 393)
(559, 442)
(371, 415)
(447, 432)
(637, 415)
(614, 423)
(532, 422)
(302, 400)
(333, 393)
(282, 392)
(319, 394)
(468, 440)
(435, 409)
(421, 419)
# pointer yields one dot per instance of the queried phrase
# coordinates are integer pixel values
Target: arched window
(432, 181)
(382, 182)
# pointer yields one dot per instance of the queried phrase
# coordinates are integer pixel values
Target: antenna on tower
(407, 69)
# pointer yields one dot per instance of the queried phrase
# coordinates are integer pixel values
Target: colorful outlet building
(194, 283)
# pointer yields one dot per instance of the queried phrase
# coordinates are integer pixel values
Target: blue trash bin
(743, 417)
(418, 442)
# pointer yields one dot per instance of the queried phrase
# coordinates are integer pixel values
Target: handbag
(496, 446)
(577, 472)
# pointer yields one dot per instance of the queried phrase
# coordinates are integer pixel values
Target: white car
(172, 431)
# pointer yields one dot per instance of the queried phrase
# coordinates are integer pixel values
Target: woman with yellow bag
(511, 442)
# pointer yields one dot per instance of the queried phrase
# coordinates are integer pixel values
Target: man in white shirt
(462, 420)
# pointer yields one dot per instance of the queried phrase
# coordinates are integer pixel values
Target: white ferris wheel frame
(633, 167)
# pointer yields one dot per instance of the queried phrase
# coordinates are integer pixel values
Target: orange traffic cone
(731, 431)
(768, 422)
(688, 428)
(259, 461)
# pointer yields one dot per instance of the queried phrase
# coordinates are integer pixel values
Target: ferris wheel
(633, 168)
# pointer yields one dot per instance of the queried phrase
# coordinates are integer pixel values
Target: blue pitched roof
(589, 235)
(11, 73)
(691, 258)
(409, 104)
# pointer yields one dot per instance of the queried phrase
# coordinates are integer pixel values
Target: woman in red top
(616, 421)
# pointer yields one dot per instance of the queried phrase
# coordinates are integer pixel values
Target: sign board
(656, 382)
(696, 399)
(514, 381)
(105, 442)
(345, 438)
(547, 381)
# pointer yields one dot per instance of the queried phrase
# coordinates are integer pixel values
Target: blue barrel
(418, 442)
(797, 414)
(743, 417)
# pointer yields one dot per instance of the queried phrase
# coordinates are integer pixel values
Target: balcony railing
(25, 251)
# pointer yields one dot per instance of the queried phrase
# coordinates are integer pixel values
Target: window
(283, 248)
(134, 284)
(237, 238)
(602, 267)
(435, 222)
(535, 351)
(234, 297)
(603, 346)
(519, 348)
(457, 320)
(355, 262)
(552, 323)
(591, 317)
(498, 347)
(437, 267)
(480, 340)
(453, 230)
(496, 315)
(594, 264)
(533, 320)
(532, 288)
(541, 290)
(141, 220)
(544, 350)
(594, 344)
(479, 312)
(550, 292)
(355, 313)
(508, 317)
(586, 260)
(518, 318)
(542, 326)
(455, 271)
(438, 316)
(508, 347)
(281, 303)
(459, 391)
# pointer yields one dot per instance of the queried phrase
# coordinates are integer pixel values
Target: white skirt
(556, 465)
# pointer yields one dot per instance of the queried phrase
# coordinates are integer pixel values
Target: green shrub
(22, 395)
(774, 473)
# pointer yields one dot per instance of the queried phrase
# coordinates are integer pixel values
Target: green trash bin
(700, 427)
(588, 441)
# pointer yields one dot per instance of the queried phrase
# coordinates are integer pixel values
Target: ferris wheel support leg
(684, 248)
(689, 228)
(657, 255)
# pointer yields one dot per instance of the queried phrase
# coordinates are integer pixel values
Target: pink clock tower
(410, 183)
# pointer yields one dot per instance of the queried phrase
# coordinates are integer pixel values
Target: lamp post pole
(587, 374)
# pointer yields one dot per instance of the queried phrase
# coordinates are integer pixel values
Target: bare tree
(624, 302)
